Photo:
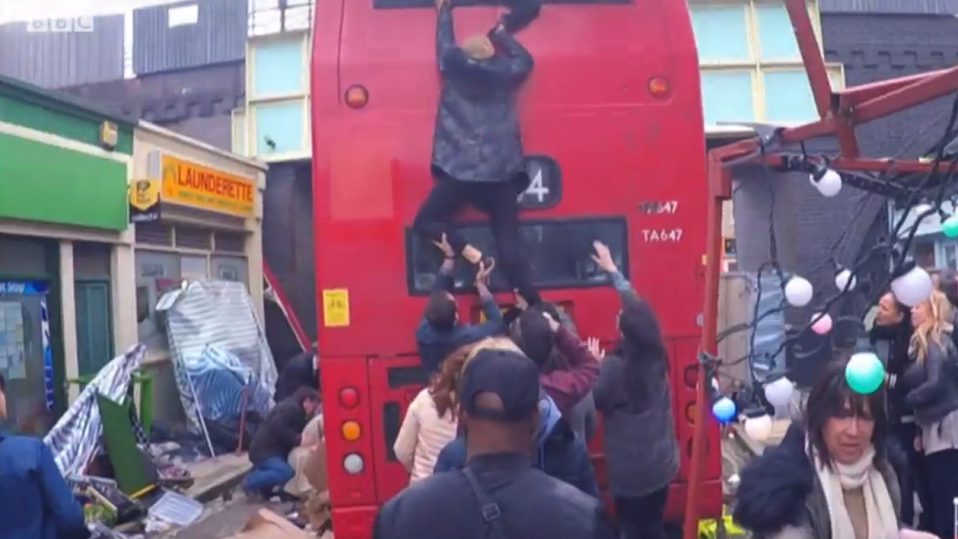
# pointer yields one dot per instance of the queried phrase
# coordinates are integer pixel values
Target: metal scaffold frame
(840, 111)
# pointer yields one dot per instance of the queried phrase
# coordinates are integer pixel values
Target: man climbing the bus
(440, 333)
(477, 156)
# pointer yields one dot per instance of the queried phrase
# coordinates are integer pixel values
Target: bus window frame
(620, 221)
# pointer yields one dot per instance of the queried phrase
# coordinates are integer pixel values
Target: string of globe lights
(921, 197)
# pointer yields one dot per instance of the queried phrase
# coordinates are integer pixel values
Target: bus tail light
(349, 398)
(353, 464)
(351, 431)
(357, 96)
(659, 87)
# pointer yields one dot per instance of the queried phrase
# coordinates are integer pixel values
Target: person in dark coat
(280, 433)
(36, 501)
(300, 371)
(477, 156)
(832, 475)
(634, 397)
(559, 452)
(890, 336)
(440, 333)
(498, 494)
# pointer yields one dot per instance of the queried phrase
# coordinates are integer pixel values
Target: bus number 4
(537, 188)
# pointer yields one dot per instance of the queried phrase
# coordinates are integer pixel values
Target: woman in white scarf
(832, 477)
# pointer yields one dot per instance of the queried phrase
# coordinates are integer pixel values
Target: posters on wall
(12, 352)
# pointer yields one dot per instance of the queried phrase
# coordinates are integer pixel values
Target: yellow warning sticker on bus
(336, 308)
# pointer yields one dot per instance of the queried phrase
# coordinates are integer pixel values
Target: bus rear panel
(612, 123)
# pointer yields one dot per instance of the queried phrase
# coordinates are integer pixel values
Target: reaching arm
(446, 48)
(489, 307)
(405, 446)
(519, 62)
(66, 512)
(651, 331)
(444, 280)
(567, 387)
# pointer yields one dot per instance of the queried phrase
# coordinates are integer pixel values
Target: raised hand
(443, 245)
(593, 345)
(553, 323)
(483, 276)
(441, 3)
(603, 257)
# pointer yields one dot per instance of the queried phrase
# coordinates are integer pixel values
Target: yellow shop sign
(202, 187)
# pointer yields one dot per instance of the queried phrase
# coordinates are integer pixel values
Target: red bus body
(632, 169)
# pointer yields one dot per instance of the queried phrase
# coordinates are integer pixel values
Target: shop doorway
(26, 356)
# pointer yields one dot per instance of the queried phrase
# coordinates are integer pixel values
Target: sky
(23, 10)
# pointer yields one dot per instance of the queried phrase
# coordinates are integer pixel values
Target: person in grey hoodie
(635, 400)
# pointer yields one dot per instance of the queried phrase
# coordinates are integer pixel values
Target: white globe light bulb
(829, 185)
(842, 278)
(913, 287)
(758, 428)
(779, 392)
(798, 292)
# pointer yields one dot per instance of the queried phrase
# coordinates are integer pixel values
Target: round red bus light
(356, 97)
(659, 87)
(349, 398)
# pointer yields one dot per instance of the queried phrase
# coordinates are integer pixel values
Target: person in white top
(431, 422)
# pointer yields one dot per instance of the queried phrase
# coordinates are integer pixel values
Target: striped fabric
(76, 436)
(214, 314)
(219, 380)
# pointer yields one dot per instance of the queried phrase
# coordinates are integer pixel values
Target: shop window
(230, 268)
(925, 254)
(156, 274)
(154, 234)
(230, 242)
(721, 33)
(951, 255)
(776, 38)
(727, 96)
(193, 238)
(193, 267)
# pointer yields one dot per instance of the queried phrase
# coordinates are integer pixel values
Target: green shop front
(64, 172)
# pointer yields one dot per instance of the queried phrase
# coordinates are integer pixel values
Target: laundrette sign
(191, 184)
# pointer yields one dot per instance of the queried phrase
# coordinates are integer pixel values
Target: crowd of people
(853, 467)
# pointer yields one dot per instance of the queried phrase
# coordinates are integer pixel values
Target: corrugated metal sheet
(891, 7)
(54, 60)
(219, 35)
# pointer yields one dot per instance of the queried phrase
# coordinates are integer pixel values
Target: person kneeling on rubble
(280, 434)
(35, 501)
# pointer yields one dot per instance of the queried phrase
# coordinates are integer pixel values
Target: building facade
(200, 217)
(64, 246)
(916, 36)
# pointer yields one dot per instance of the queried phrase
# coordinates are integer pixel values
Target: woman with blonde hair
(932, 380)
(431, 422)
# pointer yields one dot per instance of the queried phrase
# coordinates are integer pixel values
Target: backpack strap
(488, 507)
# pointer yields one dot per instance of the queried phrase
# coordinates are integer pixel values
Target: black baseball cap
(511, 376)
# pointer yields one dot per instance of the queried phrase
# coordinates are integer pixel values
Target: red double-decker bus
(612, 123)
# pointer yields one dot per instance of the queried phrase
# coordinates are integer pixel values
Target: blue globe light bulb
(724, 410)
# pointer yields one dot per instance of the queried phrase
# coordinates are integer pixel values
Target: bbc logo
(63, 25)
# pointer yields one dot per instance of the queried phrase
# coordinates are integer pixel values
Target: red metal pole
(811, 55)
(719, 178)
(933, 87)
(851, 97)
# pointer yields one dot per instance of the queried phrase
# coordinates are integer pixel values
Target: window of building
(950, 252)
(167, 255)
(752, 70)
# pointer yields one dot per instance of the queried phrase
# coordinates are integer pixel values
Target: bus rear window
(413, 4)
(559, 251)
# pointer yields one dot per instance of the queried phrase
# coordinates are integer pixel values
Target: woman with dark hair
(891, 336)
(635, 399)
(833, 477)
(933, 382)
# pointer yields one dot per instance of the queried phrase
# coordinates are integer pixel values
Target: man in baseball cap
(498, 494)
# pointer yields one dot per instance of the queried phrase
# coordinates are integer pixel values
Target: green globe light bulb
(950, 227)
